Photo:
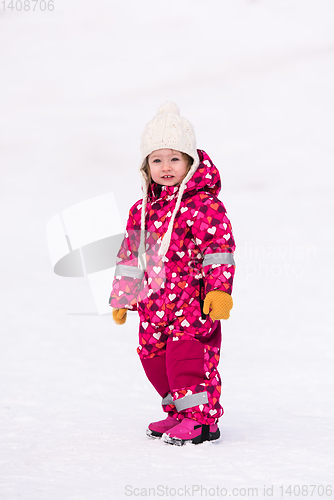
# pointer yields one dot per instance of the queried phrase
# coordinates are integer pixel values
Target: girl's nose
(166, 166)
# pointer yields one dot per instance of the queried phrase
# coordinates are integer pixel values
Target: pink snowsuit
(179, 345)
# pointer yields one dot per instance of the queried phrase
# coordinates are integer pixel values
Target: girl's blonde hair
(145, 168)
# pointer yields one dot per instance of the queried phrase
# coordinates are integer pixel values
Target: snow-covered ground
(77, 86)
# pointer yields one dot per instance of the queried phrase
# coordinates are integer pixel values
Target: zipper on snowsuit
(201, 297)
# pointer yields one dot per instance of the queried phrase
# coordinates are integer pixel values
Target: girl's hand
(119, 316)
(220, 303)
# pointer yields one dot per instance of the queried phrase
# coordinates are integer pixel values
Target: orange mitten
(119, 316)
(220, 304)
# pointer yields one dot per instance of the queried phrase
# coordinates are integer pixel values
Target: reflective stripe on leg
(199, 398)
(167, 400)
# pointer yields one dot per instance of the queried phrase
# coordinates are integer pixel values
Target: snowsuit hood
(205, 178)
(201, 177)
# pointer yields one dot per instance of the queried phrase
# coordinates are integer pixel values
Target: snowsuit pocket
(184, 363)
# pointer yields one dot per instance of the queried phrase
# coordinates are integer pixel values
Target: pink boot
(190, 431)
(156, 429)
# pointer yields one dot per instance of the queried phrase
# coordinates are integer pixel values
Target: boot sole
(153, 434)
(204, 436)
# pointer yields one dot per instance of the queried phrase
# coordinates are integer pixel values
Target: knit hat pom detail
(168, 107)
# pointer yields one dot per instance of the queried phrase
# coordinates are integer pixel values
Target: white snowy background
(77, 87)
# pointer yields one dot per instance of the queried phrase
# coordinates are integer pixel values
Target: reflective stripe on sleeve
(167, 400)
(200, 398)
(130, 271)
(219, 258)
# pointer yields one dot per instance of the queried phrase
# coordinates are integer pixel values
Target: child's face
(168, 166)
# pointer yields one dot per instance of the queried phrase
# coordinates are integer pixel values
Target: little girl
(176, 268)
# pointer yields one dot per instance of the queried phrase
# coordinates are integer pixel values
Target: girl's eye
(156, 160)
(175, 159)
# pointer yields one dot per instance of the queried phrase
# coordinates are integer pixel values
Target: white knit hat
(167, 130)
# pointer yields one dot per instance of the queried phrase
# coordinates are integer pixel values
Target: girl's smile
(168, 166)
